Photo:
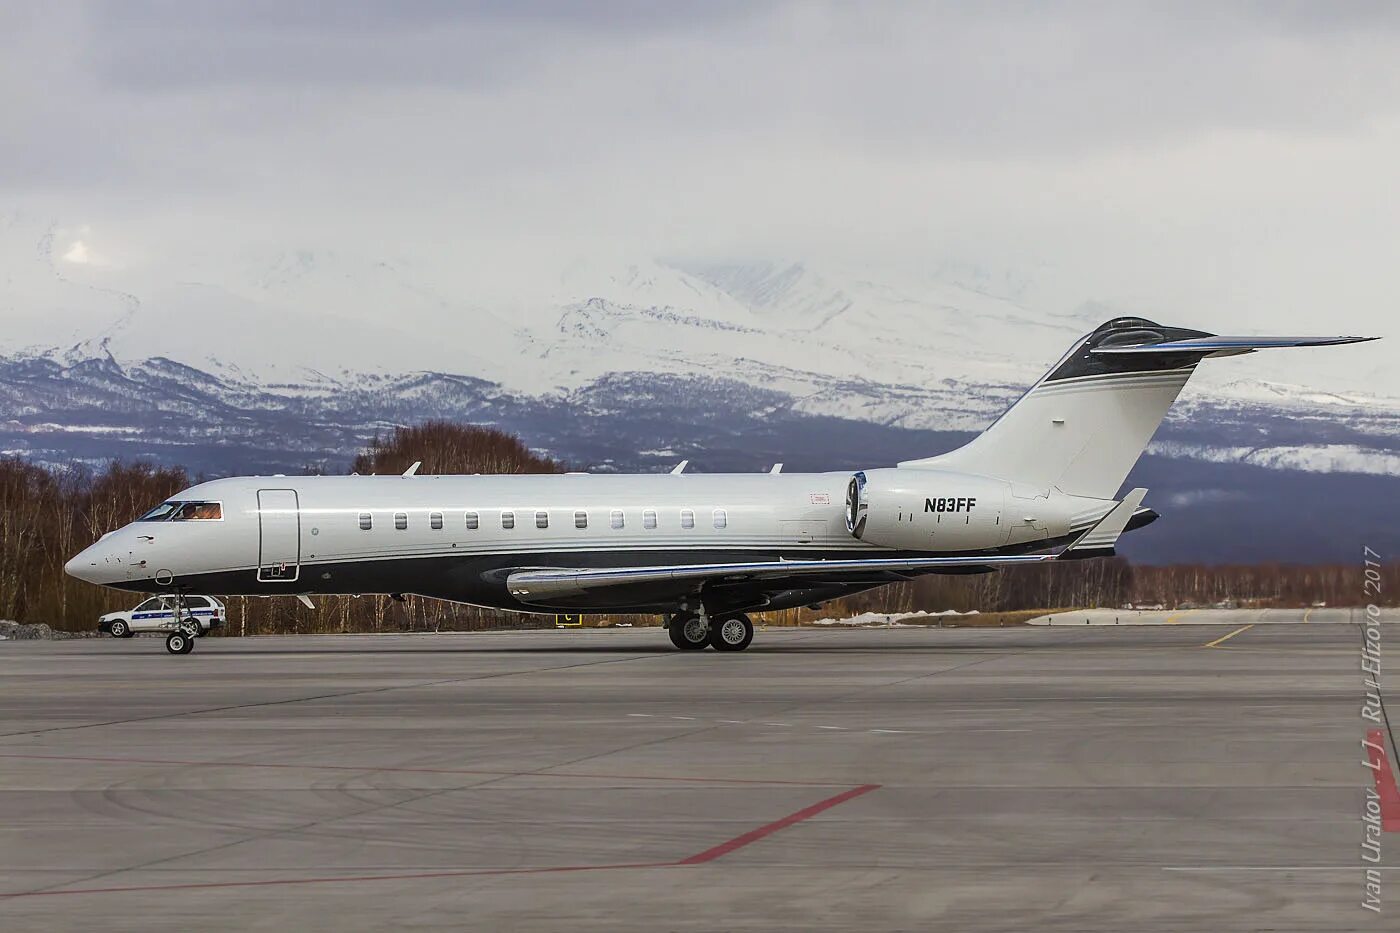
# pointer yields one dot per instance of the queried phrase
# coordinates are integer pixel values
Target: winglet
(1098, 541)
(680, 468)
(305, 601)
(413, 470)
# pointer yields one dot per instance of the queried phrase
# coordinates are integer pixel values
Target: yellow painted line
(1179, 615)
(1306, 614)
(1216, 643)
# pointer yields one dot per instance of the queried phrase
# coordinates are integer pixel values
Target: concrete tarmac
(1031, 778)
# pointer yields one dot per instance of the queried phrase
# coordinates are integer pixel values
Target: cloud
(77, 253)
(1226, 165)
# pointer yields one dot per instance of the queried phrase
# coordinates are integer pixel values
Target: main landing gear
(689, 631)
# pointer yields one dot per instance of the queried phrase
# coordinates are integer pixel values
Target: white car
(157, 614)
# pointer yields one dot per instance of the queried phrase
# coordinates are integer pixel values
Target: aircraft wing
(547, 585)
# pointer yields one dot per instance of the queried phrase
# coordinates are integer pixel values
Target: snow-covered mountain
(271, 359)
(942, 349)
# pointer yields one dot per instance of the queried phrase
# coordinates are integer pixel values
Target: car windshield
(184, 512)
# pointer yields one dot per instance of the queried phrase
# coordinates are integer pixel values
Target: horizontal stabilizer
(1104, 535)
(1215, 344)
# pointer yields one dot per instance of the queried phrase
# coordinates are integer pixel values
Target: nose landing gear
(181, 641)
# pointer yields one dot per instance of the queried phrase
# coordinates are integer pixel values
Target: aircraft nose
(85, 566)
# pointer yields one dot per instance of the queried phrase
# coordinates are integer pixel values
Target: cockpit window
(185, 512)
(160, 513)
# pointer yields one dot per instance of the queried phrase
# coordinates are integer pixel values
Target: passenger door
(279, 536)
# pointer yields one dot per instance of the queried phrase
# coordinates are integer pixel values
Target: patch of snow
(1324, 458)
(891, 618)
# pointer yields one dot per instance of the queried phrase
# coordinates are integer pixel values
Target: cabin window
(687, 518)
(649, 518)
(507, 519)
(472, 521)
(721, 519)
(401, 521)
(366, 521)
(615, 519)
(435, 521)
(580, 519)
(541, 519)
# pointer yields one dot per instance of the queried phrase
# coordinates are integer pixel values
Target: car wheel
(120, 629)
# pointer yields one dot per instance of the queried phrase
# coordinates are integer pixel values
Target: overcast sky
(1233, 162)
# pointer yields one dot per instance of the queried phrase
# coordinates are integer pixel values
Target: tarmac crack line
(706, 855)
(312, 824)
(321, 696)
(997, 656)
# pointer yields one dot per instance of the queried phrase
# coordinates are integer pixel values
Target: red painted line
(754, 835)
(416, 876)
(1385, 781)
(582, 775)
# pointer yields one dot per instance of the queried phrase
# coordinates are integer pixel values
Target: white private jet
(702, 550)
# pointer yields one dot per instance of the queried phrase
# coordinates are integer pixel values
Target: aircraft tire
(685, 632)
(178, 643)
(731, 632)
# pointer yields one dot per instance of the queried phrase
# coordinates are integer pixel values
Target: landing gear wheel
(731, 632)
(179, 643)
(687, 632)
(120, 629)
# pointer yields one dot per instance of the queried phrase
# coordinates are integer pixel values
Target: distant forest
(47, 516)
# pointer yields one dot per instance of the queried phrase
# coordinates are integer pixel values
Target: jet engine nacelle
(938, 510)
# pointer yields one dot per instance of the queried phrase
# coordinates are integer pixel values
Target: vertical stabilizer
(1081, 427)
